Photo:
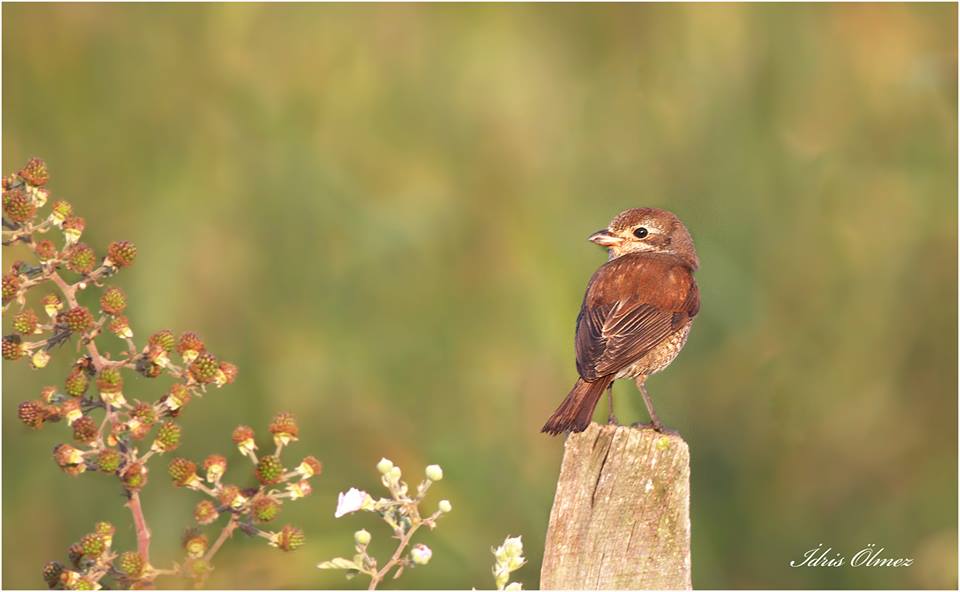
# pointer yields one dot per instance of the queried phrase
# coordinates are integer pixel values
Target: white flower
(514, 586)
(351, 501)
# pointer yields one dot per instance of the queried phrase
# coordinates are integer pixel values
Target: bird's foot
(612, 420)
(655, 426)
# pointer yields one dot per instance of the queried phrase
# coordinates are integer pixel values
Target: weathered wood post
(621, 514)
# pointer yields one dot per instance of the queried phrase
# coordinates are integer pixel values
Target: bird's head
(647, 230)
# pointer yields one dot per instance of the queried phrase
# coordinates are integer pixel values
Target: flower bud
(421, 554)
(434, 472)
(362, 537)
(384, 466)
(444, 506)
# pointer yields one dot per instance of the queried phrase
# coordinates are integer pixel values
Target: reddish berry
(45, 250)
(205, 512)
(35, 172)
(269, 470)
(120, 327)
(134, 476)
(110, 380)
(18, 206)
(76, 319)
(215, 465)
(284, 427)
(121, 253)
(108, 460)
(230, 496)
(32, 414)
(228, 372)
(182, 471)
(11, 286)
(113, 301)
(309, 467)
(189, 345)
(12, 348)
(85, 430)
(73, 227)
(52, 572)
(66, 455)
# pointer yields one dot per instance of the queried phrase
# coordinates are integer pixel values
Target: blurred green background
(379, 213)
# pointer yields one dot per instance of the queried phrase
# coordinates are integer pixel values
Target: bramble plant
(130, 432)
(401, 512)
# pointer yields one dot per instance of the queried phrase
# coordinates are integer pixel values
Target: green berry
(35, 172)
(108, 461)
(81, 259)
(25, 322)
(113, 301)
(121, 253)
(110, 380)
(289, 538)
(134, 476)
(204, 368)
(269, 470)
(77, 383)
(168, 437)
(93, 545)
(182, 471)
(130, 564)
(265, 509)
(164, 340)
(11, 285)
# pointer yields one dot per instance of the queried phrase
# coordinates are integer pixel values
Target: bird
(636, 314)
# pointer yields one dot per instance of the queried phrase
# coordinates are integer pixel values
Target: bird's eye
(640, 232)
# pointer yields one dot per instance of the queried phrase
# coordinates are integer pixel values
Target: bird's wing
(632, 304)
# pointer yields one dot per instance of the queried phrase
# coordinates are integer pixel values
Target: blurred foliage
(379, 213)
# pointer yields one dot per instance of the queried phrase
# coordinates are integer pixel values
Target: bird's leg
(641, 386)
(611, 418)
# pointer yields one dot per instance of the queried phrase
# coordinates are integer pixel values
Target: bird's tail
(576, 411)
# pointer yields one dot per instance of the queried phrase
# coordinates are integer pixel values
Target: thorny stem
(377, 577)
(140, 524)
(225, 534)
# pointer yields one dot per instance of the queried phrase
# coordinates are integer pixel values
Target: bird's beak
(604, 238)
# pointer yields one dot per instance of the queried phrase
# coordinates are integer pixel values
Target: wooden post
(621, 514)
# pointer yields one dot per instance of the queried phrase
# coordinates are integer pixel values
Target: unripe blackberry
(168, 437)
(108, 461)
(215, 466)
(284, 428)
(177, 397)
(121, 253)
(205, 513)
(32, 414)
(12, 348)
(51, 573)
(144, 413)
(134, 476)
(106, 530)
(227, 373)
(110, 380)
(243, 438)
(183, 472)
(11, 285)
(93, 545)
(60, 211)
(76, 319)
(204, 368)
(18, 206)
(113, 301)
(194, 543)
(289, 538)
(264, 508)
(45, 250)
(189, 345)
(51, 305)
(309, 467)
(35, 172)
(76, 383)
(25, 322)
(197, 569)
(130, 564)
(81, 259)
(163, 340)
(269, 470)
(73, 228)
(85, 430)
(120, 327)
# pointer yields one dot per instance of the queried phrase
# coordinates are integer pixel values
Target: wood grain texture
(621, 513)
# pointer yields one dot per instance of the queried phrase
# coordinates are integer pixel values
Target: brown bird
(636, 314)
